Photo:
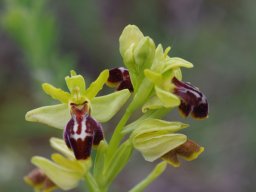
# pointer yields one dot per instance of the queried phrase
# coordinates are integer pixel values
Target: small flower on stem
(120, 79)
(188, 151)
(80, 111)
(39, 181)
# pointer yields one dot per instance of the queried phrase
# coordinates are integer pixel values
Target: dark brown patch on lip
(120, 79)
(193, 101)
(93, 135)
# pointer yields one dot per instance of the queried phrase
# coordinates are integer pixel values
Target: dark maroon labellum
(82, 131)
(120, 79)
(193, 101)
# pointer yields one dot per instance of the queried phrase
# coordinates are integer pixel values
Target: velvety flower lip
(189, 151)
(37, 179)
(193, 101)
(82, 131)
(120, 79)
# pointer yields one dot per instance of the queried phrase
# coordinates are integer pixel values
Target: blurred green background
(42, 40)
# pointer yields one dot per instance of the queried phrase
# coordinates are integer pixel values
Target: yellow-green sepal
(54, 115)
(154, 146)
(75, 83)
(154, 137)
(105, 107)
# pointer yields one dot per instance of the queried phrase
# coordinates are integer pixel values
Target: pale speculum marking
(80, 134)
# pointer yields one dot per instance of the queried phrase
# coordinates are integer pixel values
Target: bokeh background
(42, 40)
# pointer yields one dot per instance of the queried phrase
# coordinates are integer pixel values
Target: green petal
(144, 54)
(74, 165)
(153, 146)
(75, 83)
(56, 93)
(64, 178)
(129, 62)
(169, 99)
(176, 62)
(152, 104)
(97, 85)
(60, 146)
(105, 107)
(54, 115)
(130, 35)
(153, 76)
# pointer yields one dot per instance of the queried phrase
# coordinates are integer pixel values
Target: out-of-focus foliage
(34, 28)
(217, 36)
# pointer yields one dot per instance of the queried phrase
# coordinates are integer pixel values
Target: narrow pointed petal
(64, 178)
(97, 85)
(176, 62)
(54, 115)
(56, 93)
(105, 107)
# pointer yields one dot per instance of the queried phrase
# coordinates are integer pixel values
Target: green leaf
(99, 162)
(157, 171)
(54, 115)
(105, 107)
(118, 161)
(56, 93)
(97, 85)
(64, 178)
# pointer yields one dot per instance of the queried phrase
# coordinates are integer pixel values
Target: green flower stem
(117, 135)
(92, 184)
(157, 171)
